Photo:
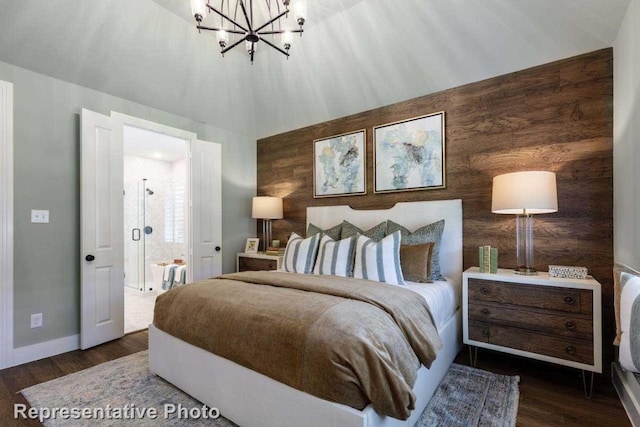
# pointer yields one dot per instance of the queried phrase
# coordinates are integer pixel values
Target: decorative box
(567, 272)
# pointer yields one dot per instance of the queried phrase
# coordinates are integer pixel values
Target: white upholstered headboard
(411, 215)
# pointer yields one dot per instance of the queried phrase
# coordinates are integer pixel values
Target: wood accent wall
(556, 117)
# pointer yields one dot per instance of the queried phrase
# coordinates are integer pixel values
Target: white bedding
(442, 296)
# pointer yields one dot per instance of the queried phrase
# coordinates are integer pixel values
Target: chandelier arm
(201, 27)
(228, 48)
(274, 46)
(213, 9)
(272, 21)
(244, 10)
(267, 33)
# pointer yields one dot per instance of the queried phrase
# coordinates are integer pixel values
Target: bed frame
(625, 382)
(252, 399)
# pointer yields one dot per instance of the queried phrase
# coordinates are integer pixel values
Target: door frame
(6, 224)
(120, 120)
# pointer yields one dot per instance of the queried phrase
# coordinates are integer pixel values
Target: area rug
(124, 392)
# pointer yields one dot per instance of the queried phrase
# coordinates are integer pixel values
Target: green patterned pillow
(333, 232)
(376, 233)
(428, 233)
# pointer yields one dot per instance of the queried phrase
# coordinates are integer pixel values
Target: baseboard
(41, 350)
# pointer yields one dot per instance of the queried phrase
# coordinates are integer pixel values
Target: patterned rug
(124, 392)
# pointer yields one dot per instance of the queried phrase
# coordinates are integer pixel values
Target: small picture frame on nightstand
(251, 247)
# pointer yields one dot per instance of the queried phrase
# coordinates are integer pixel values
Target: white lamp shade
(265, 207)
(198, 7)
(531, 192)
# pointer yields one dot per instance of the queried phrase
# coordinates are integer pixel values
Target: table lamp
(524, 194)
(266, 208)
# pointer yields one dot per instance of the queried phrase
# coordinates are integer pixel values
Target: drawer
(256, 264)
(574, 350)
(546, 297)
(558, 323)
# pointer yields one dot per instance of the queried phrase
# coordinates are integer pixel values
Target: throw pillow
(629, 355)
(415, 261)
(379, 261)
(300, 254)
(335, 258)
(333, 232)
(428, 233)
(376, 233)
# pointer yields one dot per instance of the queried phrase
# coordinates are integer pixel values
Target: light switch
(39, 216)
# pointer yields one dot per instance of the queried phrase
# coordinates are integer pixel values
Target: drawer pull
(484, 290)
(570, 325)
(485, 333)
(569, 300)
(485, 311)
(570, 349)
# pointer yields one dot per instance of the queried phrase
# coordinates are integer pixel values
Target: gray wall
(46, 161)
(626, 139)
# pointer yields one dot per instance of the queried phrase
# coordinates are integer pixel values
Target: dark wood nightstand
(259, 261)
(546, 318)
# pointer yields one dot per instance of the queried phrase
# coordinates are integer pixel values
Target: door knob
(89, 257)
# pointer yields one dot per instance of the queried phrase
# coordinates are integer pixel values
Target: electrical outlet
(39, 216)
(36, 320)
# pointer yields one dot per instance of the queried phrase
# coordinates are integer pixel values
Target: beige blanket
(345, 340)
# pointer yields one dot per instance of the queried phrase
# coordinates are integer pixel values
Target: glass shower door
(133, 235)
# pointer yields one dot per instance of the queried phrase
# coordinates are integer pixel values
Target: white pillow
(379, 261)
(300, 254)
(335, 257)
(629, 355)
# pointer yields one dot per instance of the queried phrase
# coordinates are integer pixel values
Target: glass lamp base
(525, 271)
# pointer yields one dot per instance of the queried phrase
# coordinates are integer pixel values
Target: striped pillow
(300, 254)
(335, 258)
(379, 261)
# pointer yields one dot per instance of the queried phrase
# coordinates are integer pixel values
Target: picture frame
(410, 154)
(251, 247)
(339, 165)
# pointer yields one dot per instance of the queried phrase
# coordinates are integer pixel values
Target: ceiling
(355, 54)
(153, 145)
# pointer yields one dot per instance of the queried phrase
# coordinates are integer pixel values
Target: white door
(206, 209)
(101, 235)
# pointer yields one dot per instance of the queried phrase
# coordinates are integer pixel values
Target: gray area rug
(124, 387)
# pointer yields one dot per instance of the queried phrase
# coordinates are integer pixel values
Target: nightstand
(259, 261)
(545, 318)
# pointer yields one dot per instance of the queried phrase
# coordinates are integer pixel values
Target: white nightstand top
(542, 278)
(259, 255)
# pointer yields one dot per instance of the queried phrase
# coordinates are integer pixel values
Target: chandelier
(238, 17)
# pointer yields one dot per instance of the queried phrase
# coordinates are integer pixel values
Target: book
(493, 261)
(488, 259)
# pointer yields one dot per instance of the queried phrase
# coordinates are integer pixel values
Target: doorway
(102, 230)
(155, 219)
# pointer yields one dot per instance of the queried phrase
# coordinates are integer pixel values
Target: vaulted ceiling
(355, 54)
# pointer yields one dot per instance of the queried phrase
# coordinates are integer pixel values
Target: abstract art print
(339, 165)
(409, 155)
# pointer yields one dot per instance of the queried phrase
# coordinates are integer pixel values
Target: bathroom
(155, 220)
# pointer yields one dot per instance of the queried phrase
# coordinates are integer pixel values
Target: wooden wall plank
(557, 117)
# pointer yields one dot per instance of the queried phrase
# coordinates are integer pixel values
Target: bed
(626, 381)
(250, 399)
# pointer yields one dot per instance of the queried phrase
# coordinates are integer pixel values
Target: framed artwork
(339, 165)
(251, 246)
(409, 155)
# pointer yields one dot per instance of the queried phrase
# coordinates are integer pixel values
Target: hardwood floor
(549, 395)
(12, 380)
(552, 395)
